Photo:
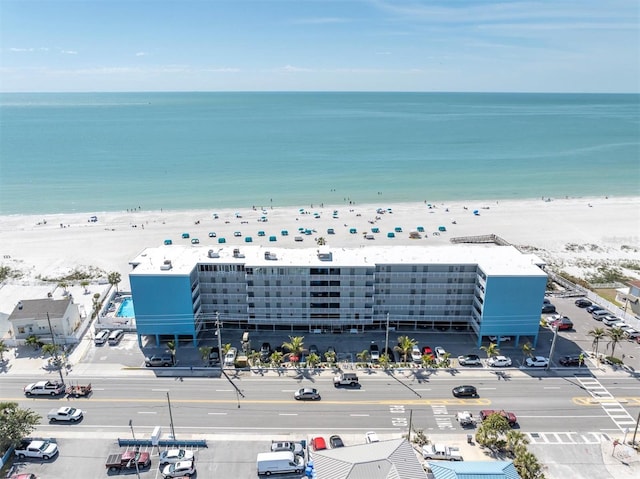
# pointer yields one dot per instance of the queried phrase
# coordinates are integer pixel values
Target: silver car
(307, 394)
(171, 456)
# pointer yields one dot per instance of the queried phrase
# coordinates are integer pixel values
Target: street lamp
(133, 434)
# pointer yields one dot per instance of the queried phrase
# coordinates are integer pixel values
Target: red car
(562, 323)
(318, 443)
(509, 416)
(23, 476)
(427, 351)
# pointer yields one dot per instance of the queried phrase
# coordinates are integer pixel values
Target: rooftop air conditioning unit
(166, 265)
(213, 254)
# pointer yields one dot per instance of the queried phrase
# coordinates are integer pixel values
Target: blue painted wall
(513, 305)
(163, 304)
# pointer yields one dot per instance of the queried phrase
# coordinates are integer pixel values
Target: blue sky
(319, 45)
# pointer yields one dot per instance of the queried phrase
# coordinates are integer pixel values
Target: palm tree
(50, 349)
(254, 358)
(321, 241)
(597, 334)
(492, 350)
(527, 465)
(363, 355)
(527, 350)
(275, 358)
(295, 346)
(427, 360)
(384, 360)
(225, 349)
(3, 349)
(33, 341)
(515, 439)
(445, 362)
(114, 278)
(204, 353)
(171, 346)
(330, 356)
(96, 305)
(616, 335)
(312, 360)
(405, 345)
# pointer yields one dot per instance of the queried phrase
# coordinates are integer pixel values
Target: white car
(171, 456)
(371, 436)
(499, 362)
(179, 469)
(537, 362)
(502, 339)
(440, 352)
(230, 357)
(68, 414)
(416, 355)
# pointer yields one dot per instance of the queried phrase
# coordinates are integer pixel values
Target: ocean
(78, 152)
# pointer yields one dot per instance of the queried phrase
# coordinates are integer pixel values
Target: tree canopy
(15, 424)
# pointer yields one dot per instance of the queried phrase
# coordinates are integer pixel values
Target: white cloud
(141, 54)
(69, 52)
(291, 68)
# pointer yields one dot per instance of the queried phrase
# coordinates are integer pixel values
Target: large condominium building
(488, 290)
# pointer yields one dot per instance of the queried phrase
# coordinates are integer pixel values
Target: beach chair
(222, 240)
(248, 239)
(391, 234)
(273, 238)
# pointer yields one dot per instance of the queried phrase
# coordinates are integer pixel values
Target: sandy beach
(573, 234)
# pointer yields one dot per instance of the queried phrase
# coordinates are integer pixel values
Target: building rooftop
(473, 470)
(180, 260)
(39, 308)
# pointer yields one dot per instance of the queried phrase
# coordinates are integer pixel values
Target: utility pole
(219, 338)
(133, 434)
(633, 441)
(57, 362)
(173, 432)
(386, 341)
(553, 347)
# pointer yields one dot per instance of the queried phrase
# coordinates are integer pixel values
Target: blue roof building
(473, 470)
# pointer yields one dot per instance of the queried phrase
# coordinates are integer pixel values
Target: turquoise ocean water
(97, 152)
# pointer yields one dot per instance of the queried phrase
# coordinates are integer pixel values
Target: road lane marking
(359, 415)
(147, 412)
(160, 390)
(287, 414)
(487, 389)
(224, 390)
(551, 387)
(217, 413)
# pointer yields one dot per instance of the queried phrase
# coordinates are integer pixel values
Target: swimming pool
(126, 309)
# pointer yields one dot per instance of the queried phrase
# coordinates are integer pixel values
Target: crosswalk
(608, 402)
(542, 438)
(442, 417)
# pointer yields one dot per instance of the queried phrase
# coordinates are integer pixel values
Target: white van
(101, 337)
(115, 337)
(599, 315)
(282, 462)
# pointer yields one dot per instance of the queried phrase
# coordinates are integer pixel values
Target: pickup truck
(128, 460)
(509, 416)
(37, 449)
(439, 451)
(42, 388)
(65, 414)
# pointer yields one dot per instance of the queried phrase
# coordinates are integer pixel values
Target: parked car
(156, 360)
(212, 234)
(571, 361)
(265, 351)
(562, 323)
(318, 443)
(416, 356)
(509, 416)
(502, 339)
(465, 391)
(307, 394)
(179, 469)
(610, 320)
(441, 452)
(313, 349)
(469, 360)
(335, 442)
(593, 307)
(39, 449)
(499, 362)
(548, 308)
(101, 337)
(169, 456)
(370, 437)
(583, 303)
(427, 351)
(440, 352)
(600, 314)
(214, 356)
(374, 352)
(537, 362)
(230, 357)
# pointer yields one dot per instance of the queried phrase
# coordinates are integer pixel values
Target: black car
(593, 307)
(465, 391)
(265, 351)
(569, 361)
(335, 442)
(548, 308)
(583, 303)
